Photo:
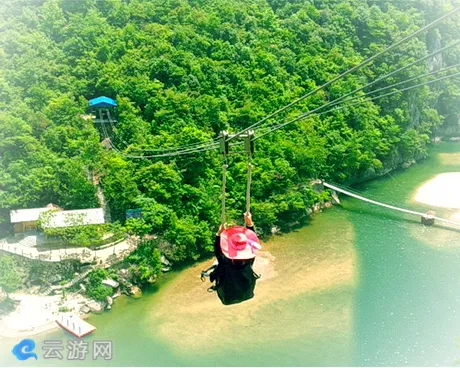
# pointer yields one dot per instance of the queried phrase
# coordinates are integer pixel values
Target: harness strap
(249, 145)
(224, 182)
(248, 187)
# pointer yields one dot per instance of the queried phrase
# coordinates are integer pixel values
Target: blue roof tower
(102, 101)
(103, 110)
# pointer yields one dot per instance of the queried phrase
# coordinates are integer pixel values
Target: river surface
(359, 285)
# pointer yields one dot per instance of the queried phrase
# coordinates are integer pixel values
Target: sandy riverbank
(295, 280)
(441, 194)
(36, 314)
(441, 191)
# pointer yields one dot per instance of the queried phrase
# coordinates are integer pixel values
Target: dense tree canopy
(11, 276)
(181, 71)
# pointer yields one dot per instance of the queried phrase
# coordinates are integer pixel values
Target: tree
(145, 262)
(11, 276)
(94, 287)
(137, 226)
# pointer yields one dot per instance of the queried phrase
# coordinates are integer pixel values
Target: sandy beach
(441, 194)
(441, 191)
(36, 314)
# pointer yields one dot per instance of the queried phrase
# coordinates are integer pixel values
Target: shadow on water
(405, 306)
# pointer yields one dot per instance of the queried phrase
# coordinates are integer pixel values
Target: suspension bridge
(426, 216)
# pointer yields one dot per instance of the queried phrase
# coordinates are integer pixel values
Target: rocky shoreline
(37, 310)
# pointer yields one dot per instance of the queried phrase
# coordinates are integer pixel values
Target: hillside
(182, 71)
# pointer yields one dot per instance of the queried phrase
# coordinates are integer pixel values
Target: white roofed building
(27, 219)
(93, 216)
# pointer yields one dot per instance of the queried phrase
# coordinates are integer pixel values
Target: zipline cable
(170, 154)
(339, 100)
(304, 115)
(406, 81)
(173, 154)
(207, 145)
(298, 118)
(353, 69)
(190, 145)
(163, 150)
(334, 102)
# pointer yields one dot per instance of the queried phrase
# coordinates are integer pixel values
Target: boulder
(335, 197)
(116, 295)
(55, 279)
(83, 288)
(96, 307)
(112, 283)
(85, 309)
(407, 164)
(317, 185)
(109, 301)
(135, 292)
(164, 261)
(152, 279)
(165, 269)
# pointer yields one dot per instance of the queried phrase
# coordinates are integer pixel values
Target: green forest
(181, 72)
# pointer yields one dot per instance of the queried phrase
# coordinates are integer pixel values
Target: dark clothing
(235, 279)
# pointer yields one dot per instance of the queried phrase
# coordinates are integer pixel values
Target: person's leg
(206, 273)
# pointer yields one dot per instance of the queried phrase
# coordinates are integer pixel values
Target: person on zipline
(235, 250)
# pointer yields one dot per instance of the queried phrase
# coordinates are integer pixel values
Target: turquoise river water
(359, 285)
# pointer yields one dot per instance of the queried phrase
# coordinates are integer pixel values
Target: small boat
(75, 325)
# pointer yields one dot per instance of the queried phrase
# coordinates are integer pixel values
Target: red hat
(239, 242)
